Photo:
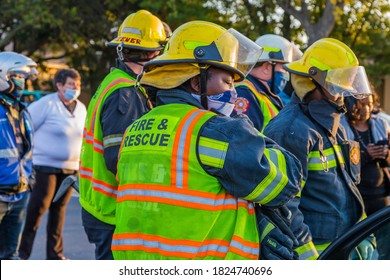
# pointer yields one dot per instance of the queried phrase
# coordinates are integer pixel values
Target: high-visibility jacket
(266, 111)
(98, 186)
(168, 207)
(15, 171)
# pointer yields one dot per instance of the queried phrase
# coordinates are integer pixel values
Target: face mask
(71, 94)
(222, 103)
(19, 86)
(280, 80)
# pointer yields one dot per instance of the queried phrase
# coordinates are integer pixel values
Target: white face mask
(222, 103)
(71, 94)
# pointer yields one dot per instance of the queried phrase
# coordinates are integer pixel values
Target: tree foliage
(76, 30)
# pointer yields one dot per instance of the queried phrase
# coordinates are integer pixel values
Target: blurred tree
(76, 30)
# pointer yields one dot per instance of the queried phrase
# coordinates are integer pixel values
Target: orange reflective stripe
(103, 94)
(98, 185)
(176, 147)
(189, 249)
(181, 148)
(181, 197)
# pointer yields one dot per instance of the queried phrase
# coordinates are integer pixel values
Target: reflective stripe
(97, 145)
(98, 185)
(112, 140)
(317, 162)
(9, 153)
(274, 182)
(181, 148)
(103, 94)
(267, 229)
(183, 197)
(307, 252)
(212, 152)
(321, 247)
(183, 248)
(339, 154)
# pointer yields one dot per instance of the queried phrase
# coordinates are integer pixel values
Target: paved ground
(76, 245)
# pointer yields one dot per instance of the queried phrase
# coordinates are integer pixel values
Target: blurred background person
(15, 150)
(58, 121)
(373, 135)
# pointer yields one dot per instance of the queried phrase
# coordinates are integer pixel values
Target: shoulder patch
(355, 156)
(241, 105)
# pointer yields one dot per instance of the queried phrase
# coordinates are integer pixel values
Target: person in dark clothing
(116, 104)
(373, 135)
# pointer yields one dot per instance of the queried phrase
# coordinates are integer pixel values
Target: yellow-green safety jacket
(98, 186)
(168, 207)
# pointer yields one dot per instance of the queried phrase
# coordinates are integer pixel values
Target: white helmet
(12, 63)
(276, 49)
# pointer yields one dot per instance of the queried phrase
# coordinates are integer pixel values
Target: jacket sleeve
(253, 166)
(119, 110)
(300, 147)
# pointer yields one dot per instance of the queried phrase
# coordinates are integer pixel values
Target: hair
(63, 74)
(351, 104)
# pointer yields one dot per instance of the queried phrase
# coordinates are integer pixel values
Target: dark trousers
(41, 201)
(98, 233)
(12, 215)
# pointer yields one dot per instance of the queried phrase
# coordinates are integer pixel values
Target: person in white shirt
(58, 121)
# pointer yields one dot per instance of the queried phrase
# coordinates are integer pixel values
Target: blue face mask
(71, 94)
(19, 86)
(280, 80)
(222, 103)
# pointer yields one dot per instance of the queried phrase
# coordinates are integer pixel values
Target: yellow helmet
(334, 66)
(203, 43)
(141, 30)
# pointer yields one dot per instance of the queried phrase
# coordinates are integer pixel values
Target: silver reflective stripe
(9, 153)
(180, 153)
(112, 141)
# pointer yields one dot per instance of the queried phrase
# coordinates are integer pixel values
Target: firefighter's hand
(274, 244)
(363, 251)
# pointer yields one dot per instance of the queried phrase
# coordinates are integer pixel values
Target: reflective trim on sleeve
(274, 182)
(321, 247)
(9, 153)
(212, 152)
(307, 252)
(112, 140)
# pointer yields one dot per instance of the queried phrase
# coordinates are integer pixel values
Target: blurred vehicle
(30, 96)
(343, 247)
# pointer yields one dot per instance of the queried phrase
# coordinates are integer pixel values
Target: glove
(276, 239)
(363, 251)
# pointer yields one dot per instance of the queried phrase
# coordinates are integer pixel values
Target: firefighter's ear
(195, 84)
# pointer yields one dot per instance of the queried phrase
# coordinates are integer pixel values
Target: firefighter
(330, 202)
(189, 175)
(114, 106)
(259, 95)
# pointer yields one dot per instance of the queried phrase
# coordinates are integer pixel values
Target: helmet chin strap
(203, 87)
(273, 76)
(339, 107)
